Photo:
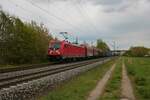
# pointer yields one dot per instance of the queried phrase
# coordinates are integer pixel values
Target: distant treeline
(22, 42)
(138, 51)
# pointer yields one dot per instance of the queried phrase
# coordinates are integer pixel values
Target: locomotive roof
(81, 45)
(66, 42)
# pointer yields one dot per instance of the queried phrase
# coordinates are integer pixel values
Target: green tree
(138, 51)
(22, 42)
(103, 46)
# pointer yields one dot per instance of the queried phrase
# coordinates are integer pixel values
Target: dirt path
(127, 91)
(95, 94)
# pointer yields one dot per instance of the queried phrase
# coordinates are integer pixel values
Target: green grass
(139, 72)
(112, 90)
(79, 87)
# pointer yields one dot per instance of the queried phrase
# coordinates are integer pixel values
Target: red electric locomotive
(64, 50)
(59, 50)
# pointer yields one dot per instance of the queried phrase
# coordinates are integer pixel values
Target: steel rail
(9, 81)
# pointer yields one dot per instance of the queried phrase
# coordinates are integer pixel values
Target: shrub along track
(15, 77)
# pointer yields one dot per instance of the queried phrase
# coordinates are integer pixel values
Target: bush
(21, 42)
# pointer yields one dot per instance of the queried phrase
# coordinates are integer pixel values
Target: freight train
(61, 50)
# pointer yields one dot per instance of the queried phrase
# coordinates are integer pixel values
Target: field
(139, 73)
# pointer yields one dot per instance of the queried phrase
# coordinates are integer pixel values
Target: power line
(50, 14)
(39, 16)
(16, 5)
(88, 17)
(65, 13)
(68, 15)
(77, 5)
(28, 11)
(59, 18)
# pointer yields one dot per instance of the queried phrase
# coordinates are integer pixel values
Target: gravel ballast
(28, 90)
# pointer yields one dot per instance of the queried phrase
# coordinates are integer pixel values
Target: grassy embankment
(113, 88)
(139, 73)
(79, 87)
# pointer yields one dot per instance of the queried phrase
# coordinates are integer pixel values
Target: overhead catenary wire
(85, 11)
(17, 6)
(68, 15)
(82, 13)
(74, 27)
(80, 7)
(52, 15)
(31, 12)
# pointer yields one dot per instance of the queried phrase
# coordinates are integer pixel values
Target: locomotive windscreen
(55, 45)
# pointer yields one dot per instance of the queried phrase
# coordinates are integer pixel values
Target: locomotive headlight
(50, 52)
(57, 52)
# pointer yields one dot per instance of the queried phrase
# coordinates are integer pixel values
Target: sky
(123, 22)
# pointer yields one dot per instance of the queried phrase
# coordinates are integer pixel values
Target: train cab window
(55, 45)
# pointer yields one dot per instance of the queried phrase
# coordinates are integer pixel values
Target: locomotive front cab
(54, 51)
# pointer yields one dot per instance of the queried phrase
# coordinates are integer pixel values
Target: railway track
(12, 78)
(25, 67)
